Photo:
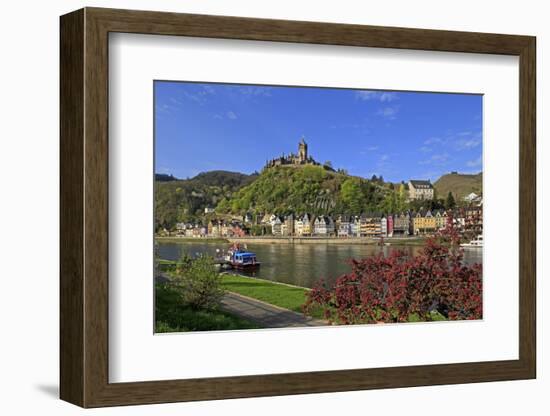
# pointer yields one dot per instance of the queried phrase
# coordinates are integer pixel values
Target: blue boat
(242, 260)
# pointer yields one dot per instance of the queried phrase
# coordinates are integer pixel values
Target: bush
(173, 316)
(199, 283)
(432, 285)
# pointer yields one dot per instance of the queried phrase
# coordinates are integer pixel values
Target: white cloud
(463, 144)
(388, 97)
(199, 96)
(388, 112)
(252, 91)
(365, 95)
(439, 159)
(474, 163)
(382, 162)
(382, 96)
(458, 141)
(433, 140)
(227, 115)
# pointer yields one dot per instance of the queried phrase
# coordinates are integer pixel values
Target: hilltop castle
(301, 158)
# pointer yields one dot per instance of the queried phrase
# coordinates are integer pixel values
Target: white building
(420, 189)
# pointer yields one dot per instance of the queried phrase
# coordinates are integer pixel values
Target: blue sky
(400, 135)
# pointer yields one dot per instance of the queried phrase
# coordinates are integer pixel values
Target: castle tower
(302, 150)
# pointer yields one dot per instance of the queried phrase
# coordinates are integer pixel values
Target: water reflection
(299, 264)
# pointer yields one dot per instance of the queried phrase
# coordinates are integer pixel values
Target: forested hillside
(185, 200)
(312, 189)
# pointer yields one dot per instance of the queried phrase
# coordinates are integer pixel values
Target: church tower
(302, 151)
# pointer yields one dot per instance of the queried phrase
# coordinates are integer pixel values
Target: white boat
(476, 242)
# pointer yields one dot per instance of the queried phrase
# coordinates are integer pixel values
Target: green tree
(352, 195)
(390, 203)
(199, 283)
(401, 197)
(450, 203)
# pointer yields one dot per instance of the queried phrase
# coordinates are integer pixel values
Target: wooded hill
(312, 189)
(293, 189)
(184, 200)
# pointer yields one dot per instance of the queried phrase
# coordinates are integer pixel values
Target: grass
(436, 316)
(172, 316)
(284, 296)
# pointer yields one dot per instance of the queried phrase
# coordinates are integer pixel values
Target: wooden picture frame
(84, 207)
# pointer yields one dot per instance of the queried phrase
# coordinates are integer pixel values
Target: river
(298, 264)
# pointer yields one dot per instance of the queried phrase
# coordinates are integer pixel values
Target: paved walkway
(265, 314)
(262, 313)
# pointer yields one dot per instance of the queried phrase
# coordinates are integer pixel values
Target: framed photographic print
(262, 207)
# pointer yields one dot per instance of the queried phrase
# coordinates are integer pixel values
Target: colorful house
(440, 216)
(276, 225)
(424, 222)
(320, 226)
(473, 216)
(402, 224)
(355, 226)
(237, 230)
(343, 226)
(225, 229)
(389, 225)
(214, 228)
(420, 189)
(371, 225)
(383, 226)
(363, 225)
(298, 226)
(331, 229)
(307, 225)
(288, 228)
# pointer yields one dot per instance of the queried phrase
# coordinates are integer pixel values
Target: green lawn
(289, 297)
(172, 316)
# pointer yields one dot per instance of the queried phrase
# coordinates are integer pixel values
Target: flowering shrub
(401, 288)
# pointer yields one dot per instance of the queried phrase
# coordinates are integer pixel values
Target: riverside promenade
(327, 240)
(262, 313)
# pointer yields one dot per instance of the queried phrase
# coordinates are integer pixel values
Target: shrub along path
(267, 304)
(265, 314)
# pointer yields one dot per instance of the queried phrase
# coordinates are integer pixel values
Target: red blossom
(398, 287)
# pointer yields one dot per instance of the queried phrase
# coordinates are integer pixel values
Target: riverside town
(373, 215)
(429, 217)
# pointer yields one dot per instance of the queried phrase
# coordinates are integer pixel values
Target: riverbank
(367, 241)
(389, 241)
(216, 240)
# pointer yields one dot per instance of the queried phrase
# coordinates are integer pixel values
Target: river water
(298, 264)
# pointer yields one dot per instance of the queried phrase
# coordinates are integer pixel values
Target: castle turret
(302, 151)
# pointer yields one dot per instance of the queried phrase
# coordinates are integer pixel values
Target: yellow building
(307, 225)
(424, 222)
